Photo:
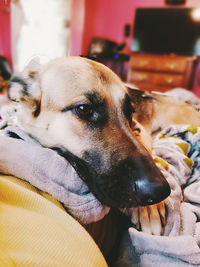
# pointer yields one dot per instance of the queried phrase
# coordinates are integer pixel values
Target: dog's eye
(84, 110)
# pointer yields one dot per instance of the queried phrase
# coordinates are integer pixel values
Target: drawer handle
(169, 80)
(142, 77)
(143, 63)
(171, 66)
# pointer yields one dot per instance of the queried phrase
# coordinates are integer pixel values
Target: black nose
(151, 192)
(150, 185)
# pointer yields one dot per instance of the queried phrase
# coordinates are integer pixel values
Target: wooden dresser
(161, 72)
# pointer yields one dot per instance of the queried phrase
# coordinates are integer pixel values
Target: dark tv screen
(166, 31)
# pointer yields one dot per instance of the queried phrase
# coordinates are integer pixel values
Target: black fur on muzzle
(129, 183)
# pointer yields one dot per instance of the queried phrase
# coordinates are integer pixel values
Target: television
(166, 31)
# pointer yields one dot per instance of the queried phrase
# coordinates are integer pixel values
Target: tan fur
(51, 88)
(63, 83)
(168, 111)
(156, 111)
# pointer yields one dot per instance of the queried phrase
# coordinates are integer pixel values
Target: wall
(103, 18)
(106, 18)
(109, 18)
(5, 33)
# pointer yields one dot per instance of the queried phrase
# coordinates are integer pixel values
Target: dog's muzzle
(130, 182)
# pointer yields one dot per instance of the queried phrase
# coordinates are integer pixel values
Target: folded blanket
(176, 151)
(25, 158)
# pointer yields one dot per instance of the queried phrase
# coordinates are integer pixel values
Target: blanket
(24, 157)
(176, 152)
(167, 234)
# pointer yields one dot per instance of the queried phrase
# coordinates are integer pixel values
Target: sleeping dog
(82, 110)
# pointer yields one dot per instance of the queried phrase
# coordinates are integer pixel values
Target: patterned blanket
(168, 234)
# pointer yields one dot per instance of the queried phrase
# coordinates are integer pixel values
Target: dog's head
(82, 109)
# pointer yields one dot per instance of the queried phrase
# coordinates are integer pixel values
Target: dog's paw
(150, 219)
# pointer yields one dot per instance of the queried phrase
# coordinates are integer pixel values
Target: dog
(81, 109)
(156, 111)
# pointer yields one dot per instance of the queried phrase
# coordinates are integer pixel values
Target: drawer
(141, 76)
(151, 87)
(161, 63)
(171, 65)
(142, 62)
(170, 80)
(159, 79)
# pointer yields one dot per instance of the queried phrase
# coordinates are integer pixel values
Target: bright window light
(196, 14)
(44, 30)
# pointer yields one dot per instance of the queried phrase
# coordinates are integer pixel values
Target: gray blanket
(167, 234)
(174, 242)
(49, 172)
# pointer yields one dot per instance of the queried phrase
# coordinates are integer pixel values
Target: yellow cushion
(35, 230)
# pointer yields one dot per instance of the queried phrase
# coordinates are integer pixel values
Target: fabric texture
(176, 152)
(186, 96)
(46, 170)
(35, 230)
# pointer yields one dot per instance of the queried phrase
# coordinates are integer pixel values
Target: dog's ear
(25, 87)
(138, 95)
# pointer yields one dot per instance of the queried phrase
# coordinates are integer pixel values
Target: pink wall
(109, 18)
(5, 32)
(106, 18)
